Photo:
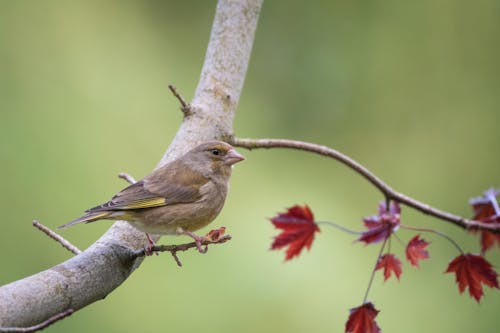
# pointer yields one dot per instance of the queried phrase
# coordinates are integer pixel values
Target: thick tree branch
(222, 77)
(40, 326)
(387, 191)
(97, 271)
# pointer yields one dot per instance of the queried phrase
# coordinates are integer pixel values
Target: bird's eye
(215, 152)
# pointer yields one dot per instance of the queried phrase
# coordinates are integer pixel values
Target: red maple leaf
(381, 226)
(488, 239)
(298, 230)
(486, 209)
(362, 319)
(471, 270)
(415, 250)
(390, 264)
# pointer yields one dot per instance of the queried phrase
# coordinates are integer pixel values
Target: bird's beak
(233, 157)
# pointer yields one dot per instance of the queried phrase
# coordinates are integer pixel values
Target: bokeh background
(409, 89)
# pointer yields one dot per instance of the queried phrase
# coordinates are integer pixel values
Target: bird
(180, 197)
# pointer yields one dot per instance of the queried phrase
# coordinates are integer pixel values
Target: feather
(90, 217)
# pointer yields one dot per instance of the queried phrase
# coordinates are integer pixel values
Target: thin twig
(58, 238)
(185, 107)
(372, 277)
(173, 249)
(127, 177)
(387, 191)
(176, 258)
(40, 326)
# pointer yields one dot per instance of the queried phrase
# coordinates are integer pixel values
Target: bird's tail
(89, 217)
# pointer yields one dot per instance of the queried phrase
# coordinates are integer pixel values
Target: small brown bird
(178, 198)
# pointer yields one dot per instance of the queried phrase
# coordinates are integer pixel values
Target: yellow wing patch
(146, 203)
(95, 217)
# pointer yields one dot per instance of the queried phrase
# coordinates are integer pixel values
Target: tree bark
(97, 271)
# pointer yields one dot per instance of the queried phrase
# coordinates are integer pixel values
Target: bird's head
(218, 155)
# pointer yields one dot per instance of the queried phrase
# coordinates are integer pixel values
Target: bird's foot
(148, 249)
(197, 239)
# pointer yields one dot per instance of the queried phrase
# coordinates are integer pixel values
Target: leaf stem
(439, 233)
(339, 227)
(399, 240)
(372, 277)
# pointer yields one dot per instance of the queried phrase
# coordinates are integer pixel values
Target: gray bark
(97, 271)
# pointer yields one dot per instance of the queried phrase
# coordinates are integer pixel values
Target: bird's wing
(136, 196)
(177, 183)
(172, 185)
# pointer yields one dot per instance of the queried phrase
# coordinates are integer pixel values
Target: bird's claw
(197, 239)
(200, 249)
(148, 249)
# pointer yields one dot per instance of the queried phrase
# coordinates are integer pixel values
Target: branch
(173, 249)
(221, 80)
(387, 191)
(58, 238)
(96, 272)
(38, 327)
(185, 107)
(128, 178)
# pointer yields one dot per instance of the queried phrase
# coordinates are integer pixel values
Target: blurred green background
(409, 89)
